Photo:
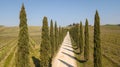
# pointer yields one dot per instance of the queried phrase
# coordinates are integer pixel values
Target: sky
(65, 12)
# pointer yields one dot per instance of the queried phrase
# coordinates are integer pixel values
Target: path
(63, 57)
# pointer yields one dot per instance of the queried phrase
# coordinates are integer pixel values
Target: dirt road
(64, 57)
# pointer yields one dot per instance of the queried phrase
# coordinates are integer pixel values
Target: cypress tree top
(23, 19)
(97, 19)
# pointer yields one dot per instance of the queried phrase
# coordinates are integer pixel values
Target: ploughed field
(8, 45)
(110, 42)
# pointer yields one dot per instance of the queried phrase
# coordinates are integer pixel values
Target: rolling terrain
(110, 41)
(8, 45)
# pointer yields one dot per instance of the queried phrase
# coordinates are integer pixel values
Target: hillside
(110, 41)
(8, 42)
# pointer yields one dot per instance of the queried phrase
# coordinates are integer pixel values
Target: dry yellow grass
(110, 42)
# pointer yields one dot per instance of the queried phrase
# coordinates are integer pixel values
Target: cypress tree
(52, 38)
(81, 38)
(97, 46)
(86, 48)
(45, 53)
(59, 36)
(22, 55)
(56, 37)
(62, 35)
(77, 29)
(74, 32)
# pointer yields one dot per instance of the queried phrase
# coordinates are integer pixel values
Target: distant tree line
(51, 42)
(82, 42)
(112, 25)
(76, 32)
(1, 25)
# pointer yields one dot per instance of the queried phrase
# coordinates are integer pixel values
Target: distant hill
(112, 25)
(1, 26)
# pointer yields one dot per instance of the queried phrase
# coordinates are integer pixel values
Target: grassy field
(8, 45)
(110, 42)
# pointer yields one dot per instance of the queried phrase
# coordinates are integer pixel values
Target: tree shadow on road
(81, 61)
(72, 51)
(75, 48)
(36, 61)
(65, 63)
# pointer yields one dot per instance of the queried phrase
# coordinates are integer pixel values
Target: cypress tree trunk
(22, 55)
(45, 53)
(52, 38)
(86, 48)
(81, 38)
(97, 46)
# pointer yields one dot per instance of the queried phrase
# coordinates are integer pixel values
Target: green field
(110, 41)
